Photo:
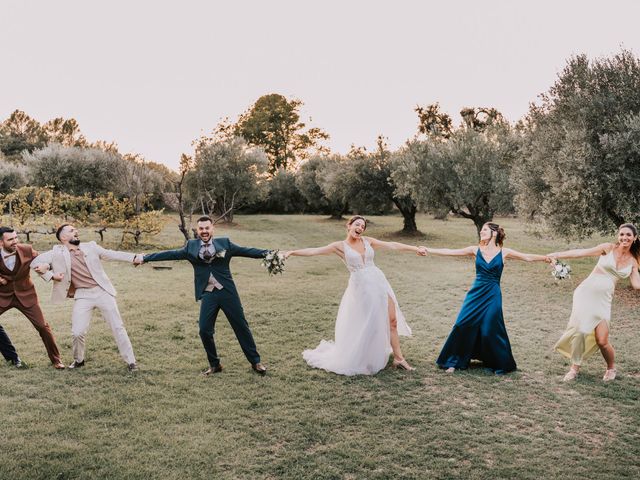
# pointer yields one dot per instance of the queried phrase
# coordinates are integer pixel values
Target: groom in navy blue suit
(215, 288)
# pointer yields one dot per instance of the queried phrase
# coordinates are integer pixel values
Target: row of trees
(39, 210)
(570, 166)
(463, 170)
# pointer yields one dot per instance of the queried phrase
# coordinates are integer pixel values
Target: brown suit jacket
(19, 280)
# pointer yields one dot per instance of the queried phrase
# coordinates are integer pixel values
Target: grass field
(169, 422)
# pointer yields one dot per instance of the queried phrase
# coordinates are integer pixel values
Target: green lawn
(168, 421)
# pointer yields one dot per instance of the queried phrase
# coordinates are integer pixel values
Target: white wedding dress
(362, 335)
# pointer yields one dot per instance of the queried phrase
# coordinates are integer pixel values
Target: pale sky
(155, 75)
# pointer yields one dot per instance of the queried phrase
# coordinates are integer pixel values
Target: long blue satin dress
(479, 332)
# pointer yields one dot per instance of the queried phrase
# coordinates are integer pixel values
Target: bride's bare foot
(402, 365)
(450, 370)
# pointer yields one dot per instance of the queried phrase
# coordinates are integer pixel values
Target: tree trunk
(183, 223)
(615, 218)
(101, 233)
(338, 211)
(408, 210)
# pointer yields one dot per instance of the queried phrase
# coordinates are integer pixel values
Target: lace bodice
(354, 261)
(607, 263)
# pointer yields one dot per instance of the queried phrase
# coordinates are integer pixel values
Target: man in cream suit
(77, 271)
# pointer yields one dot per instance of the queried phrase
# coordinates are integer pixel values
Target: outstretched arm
(402, 247)
(601, 249)
(179, 254)
(457, 252)
(527, 257)
(310, 252)
(238, 251)
(106, 254)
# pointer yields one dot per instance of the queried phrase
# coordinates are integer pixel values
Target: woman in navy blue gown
(479, 332)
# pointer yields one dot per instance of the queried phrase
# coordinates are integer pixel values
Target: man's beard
(74, 241)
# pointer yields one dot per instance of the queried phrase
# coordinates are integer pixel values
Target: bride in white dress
(369, 319)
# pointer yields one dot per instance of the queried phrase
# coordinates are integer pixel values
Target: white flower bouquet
(274, 262)
(561, 271)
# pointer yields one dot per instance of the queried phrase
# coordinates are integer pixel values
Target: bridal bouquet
(561, 270)
(273, 262)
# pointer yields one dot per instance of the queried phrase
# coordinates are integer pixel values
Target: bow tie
(9, 255)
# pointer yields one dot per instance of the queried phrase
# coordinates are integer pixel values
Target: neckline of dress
(492, 259)
(362, 255)
(615, 263)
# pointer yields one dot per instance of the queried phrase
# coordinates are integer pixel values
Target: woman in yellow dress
(588, 327)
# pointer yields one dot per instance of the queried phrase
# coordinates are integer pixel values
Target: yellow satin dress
(591, 305)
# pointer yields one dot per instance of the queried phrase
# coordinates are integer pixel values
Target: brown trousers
(35, 316)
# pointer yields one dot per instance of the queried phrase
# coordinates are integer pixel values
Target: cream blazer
(59, 261)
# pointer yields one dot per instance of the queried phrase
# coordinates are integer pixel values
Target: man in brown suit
(17, 291)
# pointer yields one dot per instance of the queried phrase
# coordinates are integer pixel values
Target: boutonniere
(220, 254)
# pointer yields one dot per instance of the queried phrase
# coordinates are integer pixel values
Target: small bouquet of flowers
(561, 270)
(274, 262)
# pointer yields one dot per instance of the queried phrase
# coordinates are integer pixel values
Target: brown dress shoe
(259, 368)
(212, 370)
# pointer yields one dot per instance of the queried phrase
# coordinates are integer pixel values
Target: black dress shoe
(259, 368)
(212, 370)
(17, 363)
(132, 367)
(76, 364)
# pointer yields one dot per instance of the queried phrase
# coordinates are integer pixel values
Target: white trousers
(86, 299)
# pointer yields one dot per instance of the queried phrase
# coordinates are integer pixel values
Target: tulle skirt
(362, 333)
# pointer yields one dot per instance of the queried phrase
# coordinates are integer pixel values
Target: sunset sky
(155, 75)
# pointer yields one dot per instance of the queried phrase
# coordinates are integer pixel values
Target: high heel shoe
(402, 365)
(609, 375)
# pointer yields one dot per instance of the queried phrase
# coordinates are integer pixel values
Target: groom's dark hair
(60, 228)
(4, 230)
(204, 218)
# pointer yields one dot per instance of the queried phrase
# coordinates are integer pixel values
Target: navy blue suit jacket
(218, 267)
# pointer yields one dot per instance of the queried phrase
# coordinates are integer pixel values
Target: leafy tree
(12, 176)
(468, 174)
(373, 189)
(273, 123)
(139, 180)
(147, 223)
(74, 170)
(29, 208)
(111, 212)
(226, 175)
(481, 118)
(577, 170)
(315, 181)
(434, 123)
(65, 132)
(283, 195)
(20, 132)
